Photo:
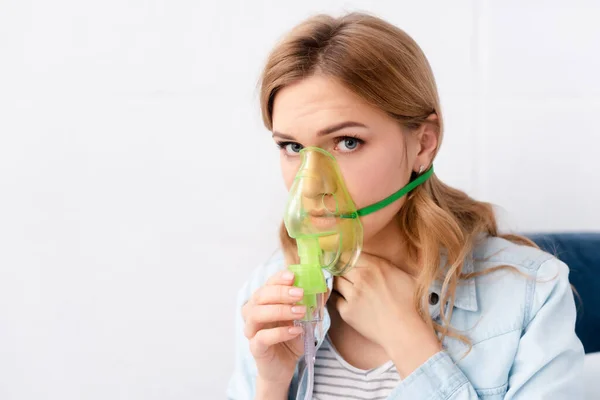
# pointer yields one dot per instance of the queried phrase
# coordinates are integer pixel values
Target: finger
(371, 260)
(266, 338)
(366, 260)
(337, 298)
(277, 294)
(339, 302)
(259, 315)
(284, 277)
(353, 274)
(343, 286)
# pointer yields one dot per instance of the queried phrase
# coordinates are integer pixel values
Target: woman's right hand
(276, 344)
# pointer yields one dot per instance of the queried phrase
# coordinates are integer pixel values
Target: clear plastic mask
(321, 210)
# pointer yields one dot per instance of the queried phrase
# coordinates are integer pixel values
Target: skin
(371, 306)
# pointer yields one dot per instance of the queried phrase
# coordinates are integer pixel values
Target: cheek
(375, 181)
(370, 184)
(288, 171)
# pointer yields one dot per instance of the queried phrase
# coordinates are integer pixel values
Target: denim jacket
(522, 331)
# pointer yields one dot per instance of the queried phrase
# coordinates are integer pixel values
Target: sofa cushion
(581, 252)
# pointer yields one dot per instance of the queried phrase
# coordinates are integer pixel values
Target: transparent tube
(312, 324)
(309, 357)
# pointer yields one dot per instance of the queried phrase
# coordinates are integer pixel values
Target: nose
(318, 176)
(313, 186)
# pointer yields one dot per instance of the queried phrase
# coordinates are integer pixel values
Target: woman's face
(375, 154)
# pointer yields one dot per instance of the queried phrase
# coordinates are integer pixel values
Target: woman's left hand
(376, 298)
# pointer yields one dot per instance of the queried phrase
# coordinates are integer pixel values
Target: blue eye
(291, 148)
(348, 144)
(343, 144)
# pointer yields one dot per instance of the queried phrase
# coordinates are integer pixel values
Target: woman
(440, 305)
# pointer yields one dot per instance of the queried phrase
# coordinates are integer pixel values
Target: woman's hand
(275, 343)
(376, 299)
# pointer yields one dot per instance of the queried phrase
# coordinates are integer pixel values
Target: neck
(390, 244)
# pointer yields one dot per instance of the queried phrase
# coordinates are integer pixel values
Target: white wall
(132, 152)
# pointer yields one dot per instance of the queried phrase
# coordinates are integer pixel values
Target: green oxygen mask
(317, 217)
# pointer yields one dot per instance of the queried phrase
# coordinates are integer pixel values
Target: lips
(320, 213)
(323, 221)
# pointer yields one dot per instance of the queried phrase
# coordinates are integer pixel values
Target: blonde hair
(385, 66)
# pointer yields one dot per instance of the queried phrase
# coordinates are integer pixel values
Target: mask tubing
(311, 326)
(309, 357)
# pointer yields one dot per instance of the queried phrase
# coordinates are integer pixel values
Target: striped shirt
(336, 379)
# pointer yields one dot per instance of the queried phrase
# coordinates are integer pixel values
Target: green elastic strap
(392, 198)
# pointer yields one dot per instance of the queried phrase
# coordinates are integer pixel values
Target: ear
(427, 143)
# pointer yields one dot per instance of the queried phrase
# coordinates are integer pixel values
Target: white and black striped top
(336, 379)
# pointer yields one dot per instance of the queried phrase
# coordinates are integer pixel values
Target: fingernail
(288, 275)
(296, 292)
(294, 330)
(299, 309)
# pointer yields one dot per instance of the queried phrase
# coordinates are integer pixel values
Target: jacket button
(434, 298)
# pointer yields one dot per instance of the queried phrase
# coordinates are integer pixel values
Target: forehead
(318, 101)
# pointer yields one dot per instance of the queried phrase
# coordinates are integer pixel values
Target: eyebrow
(326, 131)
